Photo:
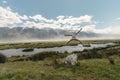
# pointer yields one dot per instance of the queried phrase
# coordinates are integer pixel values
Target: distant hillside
(36, 33)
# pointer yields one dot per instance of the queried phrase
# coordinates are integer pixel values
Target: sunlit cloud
(9, 18)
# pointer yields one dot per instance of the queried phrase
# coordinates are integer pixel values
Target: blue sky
(105, 12)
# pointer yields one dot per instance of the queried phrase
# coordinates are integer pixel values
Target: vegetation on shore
(28, 50)
(50, 44)
(93, 64)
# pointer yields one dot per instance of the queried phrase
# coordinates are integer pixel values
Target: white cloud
(112, 30)
(8, 18)
(4, 1)
(117, 19)
(60, 17)
(37, 18)
(61, 22)
(74, 20)
(41, 19)
(24, 17)
(89, 28)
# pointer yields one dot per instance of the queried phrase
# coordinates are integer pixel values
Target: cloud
(4, 1)
(111, 30)
(60, 17)
(74, 20)
(61, 22)
(24, 17)
(118, 19)
(9, 18)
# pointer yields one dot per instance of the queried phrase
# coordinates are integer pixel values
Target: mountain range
(20, 33)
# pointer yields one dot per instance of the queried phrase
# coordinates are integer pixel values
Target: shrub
(2, 58)
(43, 55)
(28, 50)
(111, 61)
(112, 52)
(89, 54)
(47, 54)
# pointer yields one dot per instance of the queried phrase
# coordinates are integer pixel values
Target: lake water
(79, 47)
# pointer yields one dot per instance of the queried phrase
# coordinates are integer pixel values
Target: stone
(70, 59)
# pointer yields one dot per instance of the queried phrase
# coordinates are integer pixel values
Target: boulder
(70, 59)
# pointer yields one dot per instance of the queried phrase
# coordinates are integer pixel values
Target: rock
(70, 59)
